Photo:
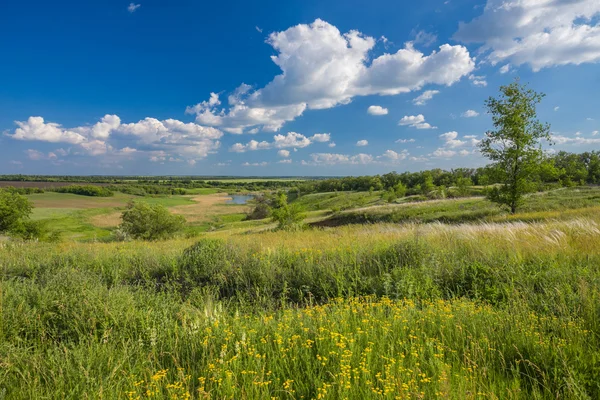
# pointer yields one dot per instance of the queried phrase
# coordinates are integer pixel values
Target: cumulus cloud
(286, 161)
(321, 137)
(256, 164)
(362, 143)
(36, 129)
(323, 68)
(505, 69)
(377, 110)
(443, 153)
(577, 140)
(291, 139)
(394, 156)
(132, 7)
(283, 153)
(451, 139)
(469, 114)
(425, 97)
(541, 34)
(178, 139)
(415, 121)
(405, 141)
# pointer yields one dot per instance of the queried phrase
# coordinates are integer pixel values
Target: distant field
(85, 218)
(44, 185)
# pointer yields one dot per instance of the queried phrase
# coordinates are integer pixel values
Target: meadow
(447, 298)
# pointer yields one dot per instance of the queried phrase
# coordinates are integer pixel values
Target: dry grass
(207, 207)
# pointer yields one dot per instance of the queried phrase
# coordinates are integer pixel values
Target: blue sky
(283, 88)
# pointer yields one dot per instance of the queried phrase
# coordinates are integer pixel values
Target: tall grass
(506, 310)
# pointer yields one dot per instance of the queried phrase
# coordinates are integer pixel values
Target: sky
(283, 88)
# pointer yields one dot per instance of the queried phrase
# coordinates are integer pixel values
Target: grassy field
(90, 218)
(449, 299)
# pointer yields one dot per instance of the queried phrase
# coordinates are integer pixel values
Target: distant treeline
(84, 190)
(560, 169)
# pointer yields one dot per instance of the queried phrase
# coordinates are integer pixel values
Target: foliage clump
(149, 222)
(288, 216)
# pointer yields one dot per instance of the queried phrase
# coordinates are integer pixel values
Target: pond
(239, 199)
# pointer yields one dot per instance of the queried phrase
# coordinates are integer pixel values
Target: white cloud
(478, 80)
(36, 129)
(132, 7)
(464, 152)
(451, 140)
(425, 97)
(321, 137)
(469, 114)
(425, 38)
(415, 121)
(179, 139)
(292, 139)
(578, 140)
(541, 33)
(283, 153)
(589, 119)
(322, 68)
(332, 144)
(362, 143)
(394, 156)
(258, 29)
(594, 133)
(405, 141)
(250, 146)
(287, 161)
(332, 159)
(256, 164)
(377, 110)
(35, 155)
(443, 153)
(505, 69)
(419, 159)
(556, 108)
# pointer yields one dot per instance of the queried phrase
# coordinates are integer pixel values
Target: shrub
(288, 216)
(150, 221)
(14, 209)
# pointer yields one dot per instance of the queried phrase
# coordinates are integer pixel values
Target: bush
(14, 209)
(149, 222)
(289, 216)
(261, 210)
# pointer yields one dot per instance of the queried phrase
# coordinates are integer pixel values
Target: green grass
(422, 311)
(537, 206)
(338, 200)
(503, 307)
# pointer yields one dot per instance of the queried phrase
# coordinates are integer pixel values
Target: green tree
(14, 210)
(427, 185)
(288, 216)
(400, 189)
(514, 146)
(463, 186)
(150, 221)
